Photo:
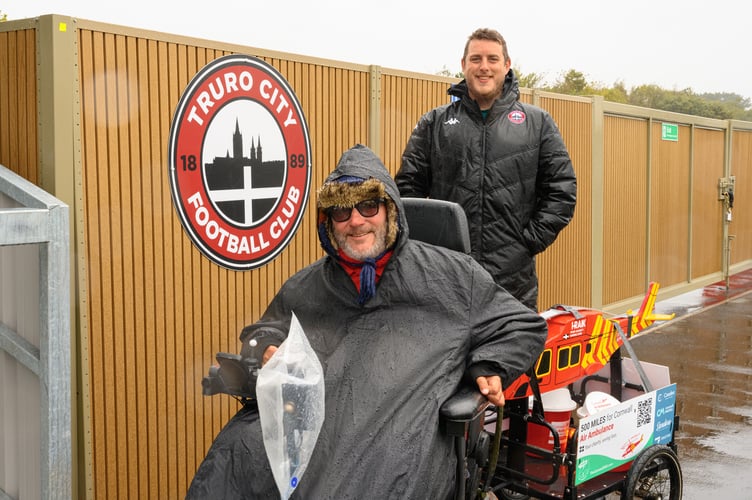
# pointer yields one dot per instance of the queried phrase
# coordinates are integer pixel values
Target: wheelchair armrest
(464, 406)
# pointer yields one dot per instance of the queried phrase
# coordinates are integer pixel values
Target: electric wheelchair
(495, 458)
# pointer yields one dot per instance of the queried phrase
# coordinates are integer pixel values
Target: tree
(681, 101)
(738, 107)
(735, 101)
(645, 95)
(618, 93)
(571, 83)
(529, 80)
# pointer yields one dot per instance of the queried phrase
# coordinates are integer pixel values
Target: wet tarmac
(708, 349)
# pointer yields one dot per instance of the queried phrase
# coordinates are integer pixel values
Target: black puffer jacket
(389, 364)
(510, 172)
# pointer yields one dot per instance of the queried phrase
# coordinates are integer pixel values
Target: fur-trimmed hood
(360, 175)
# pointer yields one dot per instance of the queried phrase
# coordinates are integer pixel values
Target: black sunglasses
(366, 208)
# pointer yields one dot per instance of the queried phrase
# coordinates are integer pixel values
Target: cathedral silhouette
(244, 189)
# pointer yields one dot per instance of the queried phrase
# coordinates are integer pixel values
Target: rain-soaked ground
(708, 349)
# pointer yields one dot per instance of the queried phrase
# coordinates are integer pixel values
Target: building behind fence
(85, 112)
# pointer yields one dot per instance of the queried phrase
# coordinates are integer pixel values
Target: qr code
(644, 412)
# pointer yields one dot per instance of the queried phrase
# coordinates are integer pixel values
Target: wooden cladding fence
(85, 112)
(18, 102)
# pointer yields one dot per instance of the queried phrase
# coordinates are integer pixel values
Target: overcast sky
(673, 44)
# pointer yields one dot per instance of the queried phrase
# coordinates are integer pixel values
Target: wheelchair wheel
(512, 495)
(655, 475)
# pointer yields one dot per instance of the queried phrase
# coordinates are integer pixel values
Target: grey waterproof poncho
(436, 316)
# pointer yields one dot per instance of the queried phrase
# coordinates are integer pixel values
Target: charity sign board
(616, 435)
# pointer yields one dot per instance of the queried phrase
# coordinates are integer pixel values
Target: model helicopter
(581, 341)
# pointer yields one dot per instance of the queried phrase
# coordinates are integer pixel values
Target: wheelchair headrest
(438, 222)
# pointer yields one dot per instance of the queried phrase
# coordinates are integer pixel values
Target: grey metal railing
(35, 331)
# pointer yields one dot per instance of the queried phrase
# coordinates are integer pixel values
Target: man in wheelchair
(398, 325)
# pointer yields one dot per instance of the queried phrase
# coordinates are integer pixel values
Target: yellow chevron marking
(603, 353)
(589, 359)
(614, 345)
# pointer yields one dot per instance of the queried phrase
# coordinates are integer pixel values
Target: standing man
(503, 161)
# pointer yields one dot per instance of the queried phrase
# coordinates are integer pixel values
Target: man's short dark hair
(487, 34)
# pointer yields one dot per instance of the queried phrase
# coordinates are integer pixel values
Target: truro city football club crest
(240, 162)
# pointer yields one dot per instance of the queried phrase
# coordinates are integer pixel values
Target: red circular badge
(516, 116)
(240, 162)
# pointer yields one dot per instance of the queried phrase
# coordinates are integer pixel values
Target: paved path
(708, 349)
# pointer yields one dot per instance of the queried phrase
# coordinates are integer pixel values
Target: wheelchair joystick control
(234, 375)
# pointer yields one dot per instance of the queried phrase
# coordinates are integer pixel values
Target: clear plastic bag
(290, 393)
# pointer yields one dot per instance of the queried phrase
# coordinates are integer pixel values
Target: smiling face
(485, 68)
(362, 237)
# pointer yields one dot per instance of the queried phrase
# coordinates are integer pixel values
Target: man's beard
(374, 251)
